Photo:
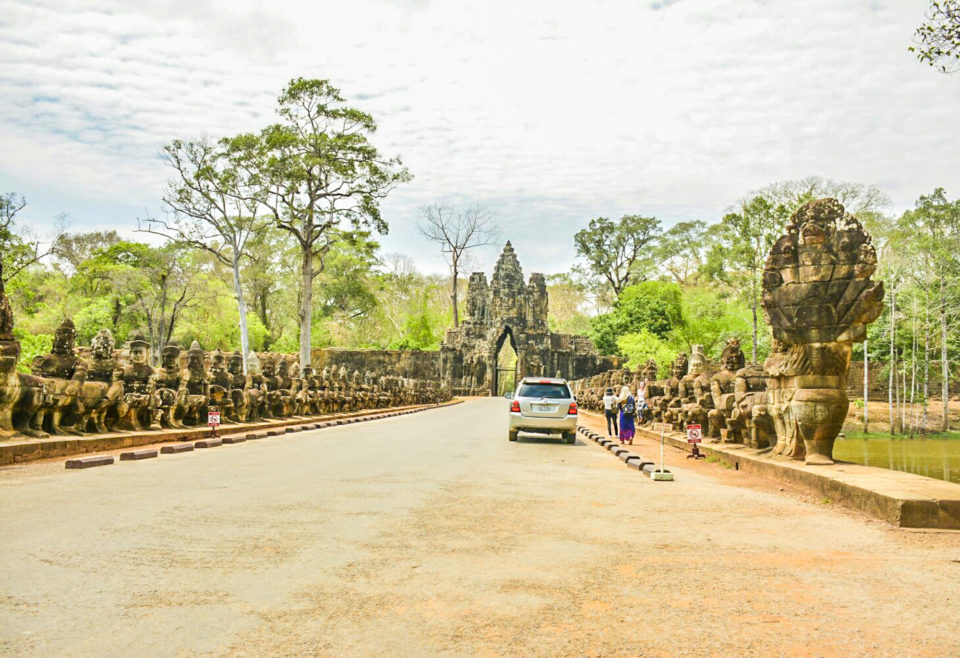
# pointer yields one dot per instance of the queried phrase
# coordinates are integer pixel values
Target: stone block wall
(397, 363)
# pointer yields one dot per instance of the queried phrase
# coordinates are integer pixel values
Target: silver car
(545, 406)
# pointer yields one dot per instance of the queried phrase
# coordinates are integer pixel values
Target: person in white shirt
(610, 409)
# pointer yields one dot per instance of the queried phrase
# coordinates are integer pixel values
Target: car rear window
(555, 391)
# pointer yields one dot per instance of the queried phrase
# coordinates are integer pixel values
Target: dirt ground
(432, 535)
(879, 414)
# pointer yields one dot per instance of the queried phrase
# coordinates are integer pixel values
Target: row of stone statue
(818, 298)
(730, 405)
(67, 393)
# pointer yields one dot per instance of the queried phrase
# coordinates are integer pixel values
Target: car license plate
(544, 407)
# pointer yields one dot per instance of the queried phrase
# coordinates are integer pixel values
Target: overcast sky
(547, 113)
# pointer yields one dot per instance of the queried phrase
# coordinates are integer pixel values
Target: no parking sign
(693, 434)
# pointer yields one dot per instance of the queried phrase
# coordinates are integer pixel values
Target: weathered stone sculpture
(65, 375)
(255, 389)
(818, 298)
(673, 401)
(750, 420)
(103, 389)
(136, 411)
(196, 384)
(169, 403)
(692, 408)
(721, 389)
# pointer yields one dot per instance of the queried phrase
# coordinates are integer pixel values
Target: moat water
(935, 458)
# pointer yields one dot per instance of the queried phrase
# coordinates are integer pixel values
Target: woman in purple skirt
(628, 412)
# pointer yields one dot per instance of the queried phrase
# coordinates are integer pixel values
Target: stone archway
(496, 370)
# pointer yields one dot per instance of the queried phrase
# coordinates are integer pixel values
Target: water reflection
(935, 458)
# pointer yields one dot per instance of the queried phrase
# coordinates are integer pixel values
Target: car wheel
(513, 436)
(569, 438)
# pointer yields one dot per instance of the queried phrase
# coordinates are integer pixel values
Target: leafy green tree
(316, 169)
(214, 208)
(642, 345)
(935, 224)
(938, 40)
(680, 251)
(654, 306)
(618, 252)
(18, 249)
(73, 249)
(739, 247)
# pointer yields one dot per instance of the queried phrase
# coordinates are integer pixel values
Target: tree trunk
(453, 296)
(926, 360)
(754, 309)
(866, 389)
(891, 363)
(306, 305)
(944, 363)
(241, 309)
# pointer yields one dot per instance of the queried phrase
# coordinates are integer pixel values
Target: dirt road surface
(432, 535)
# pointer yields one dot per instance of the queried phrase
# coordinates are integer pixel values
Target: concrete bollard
(90, 462)
(173, 450)
(136, 455)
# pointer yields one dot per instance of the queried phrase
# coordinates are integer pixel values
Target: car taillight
(572, 411)
(515, 407)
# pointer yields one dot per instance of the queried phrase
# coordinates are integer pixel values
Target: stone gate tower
(508, 308)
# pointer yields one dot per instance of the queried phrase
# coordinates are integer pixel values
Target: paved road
(430, 534)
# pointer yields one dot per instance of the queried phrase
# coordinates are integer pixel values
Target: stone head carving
(253, 364)
(650, 370)
(218, 361)
(356, 378)
(698, 362)
(103, 344)
(170, 356)
(195, 356)
(816, 282)
(235, 364)
(269, 366)
(295, 370)
(732, 356)
(283, 367)
(64, 338)
(342, 374)
(308, 372)
(680, 366)
(139, 350)
(326, 373)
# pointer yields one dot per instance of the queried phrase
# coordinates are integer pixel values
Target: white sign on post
(693, 434)
(213, 418)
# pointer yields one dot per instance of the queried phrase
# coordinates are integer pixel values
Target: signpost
(694, 437)
(213, 420)
(662, 474)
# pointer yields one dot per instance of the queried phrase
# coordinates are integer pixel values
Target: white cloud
(548, 112)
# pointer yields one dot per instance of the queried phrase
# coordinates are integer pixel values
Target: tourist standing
(628, 411)
(610, 406)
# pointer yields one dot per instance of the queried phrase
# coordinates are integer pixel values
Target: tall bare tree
(213, 208)
(457, 232)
